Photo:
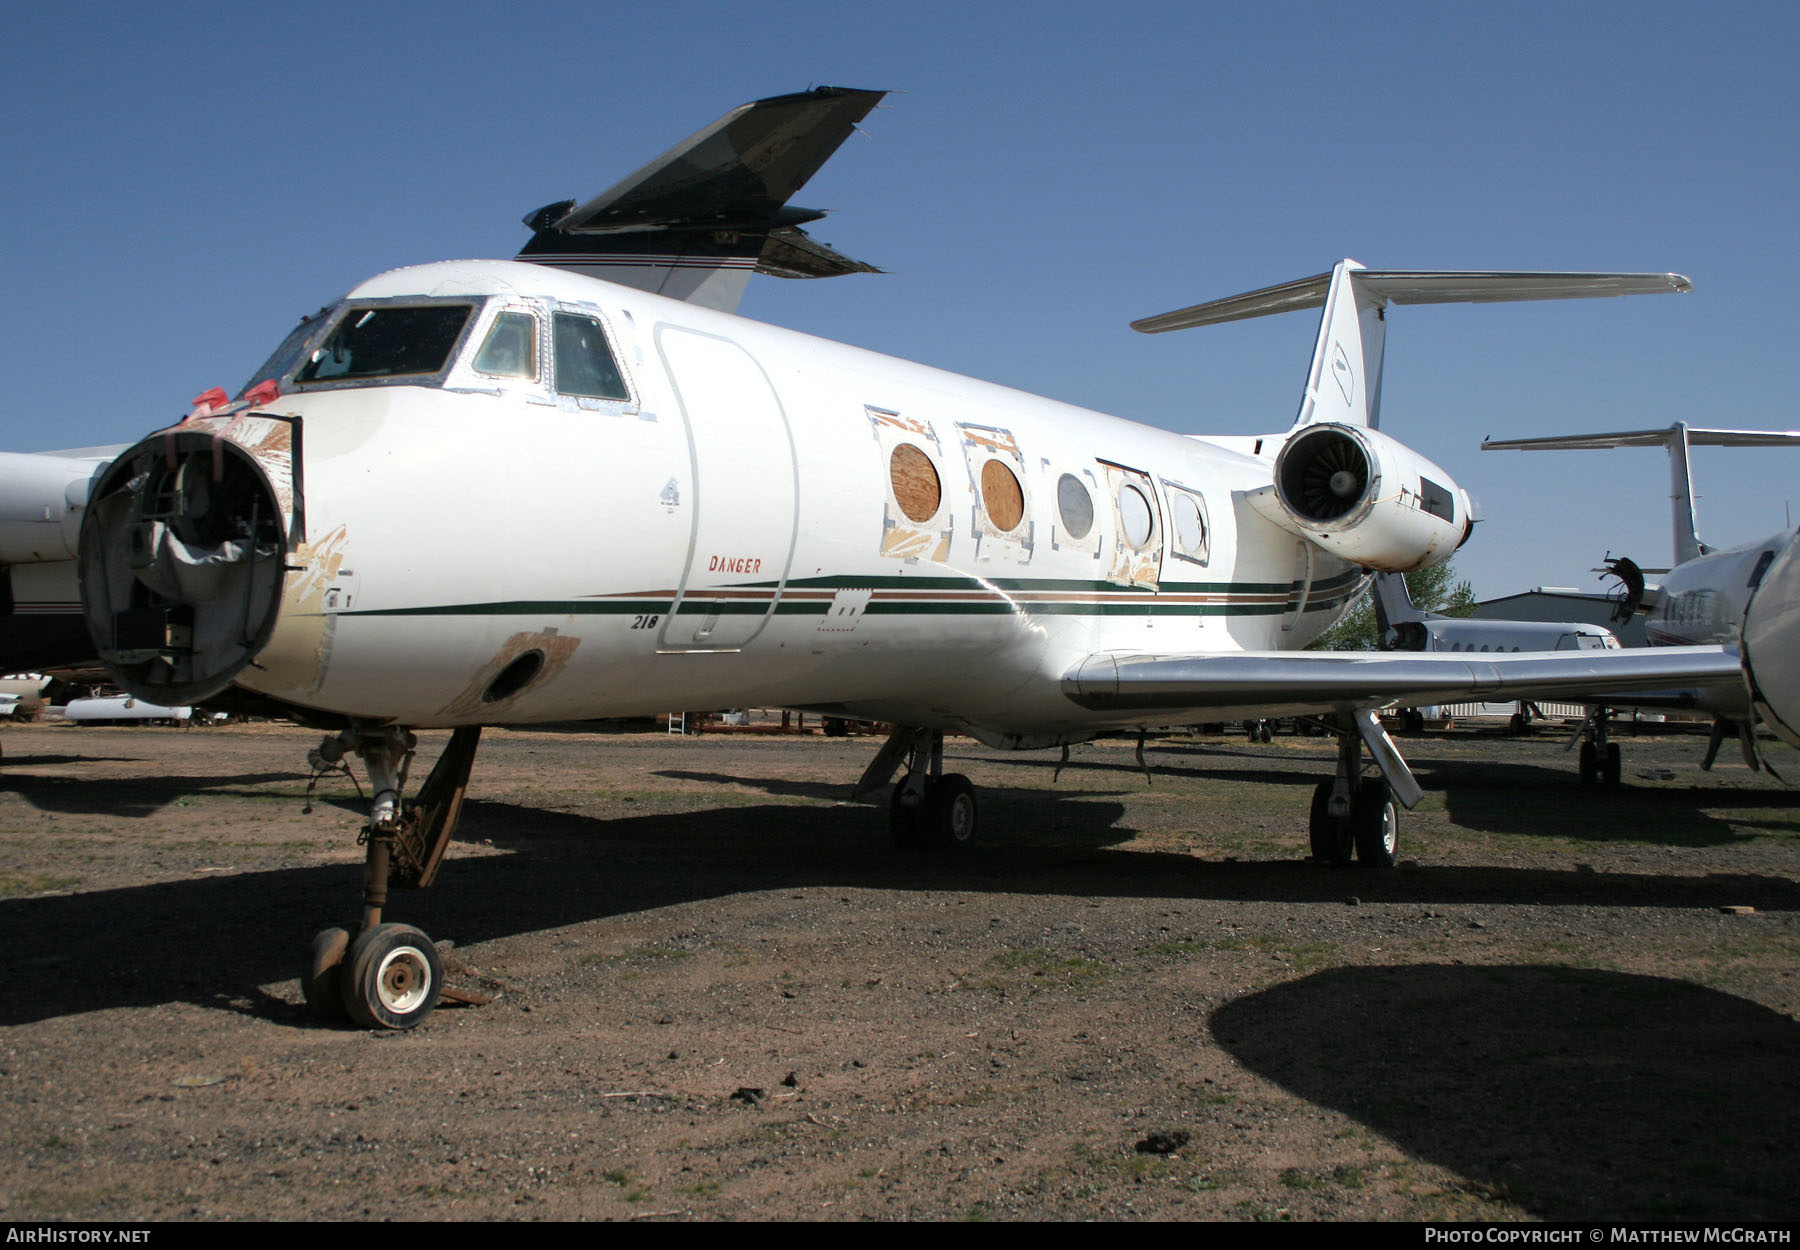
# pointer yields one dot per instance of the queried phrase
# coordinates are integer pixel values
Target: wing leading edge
(1348, 687)
(1290, 682)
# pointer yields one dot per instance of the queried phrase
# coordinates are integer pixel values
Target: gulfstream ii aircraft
(688, 509)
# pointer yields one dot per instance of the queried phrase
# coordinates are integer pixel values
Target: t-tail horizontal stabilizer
(1353, 326)
(1677, 438)
(695, 222)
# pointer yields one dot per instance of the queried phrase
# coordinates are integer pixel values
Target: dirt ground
(722, 993)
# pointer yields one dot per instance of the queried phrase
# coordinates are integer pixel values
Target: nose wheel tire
(391, 977)
(324, 964)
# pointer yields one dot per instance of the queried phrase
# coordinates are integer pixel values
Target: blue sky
(184, 180)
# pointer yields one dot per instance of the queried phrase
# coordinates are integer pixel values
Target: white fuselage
(744, 529)
(1704, 599)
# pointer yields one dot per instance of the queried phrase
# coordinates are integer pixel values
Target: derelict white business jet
(1705, 597)
(498, 492)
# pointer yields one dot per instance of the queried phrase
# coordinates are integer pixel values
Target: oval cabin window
(1001, 496)
(1190, 527)
(1076, 506)
(915, 483)
(1136, 517)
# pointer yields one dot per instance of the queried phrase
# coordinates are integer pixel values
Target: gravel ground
(721, 992)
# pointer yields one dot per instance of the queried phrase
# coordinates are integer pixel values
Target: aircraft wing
(1288, 682)
(695, 222)
(743, 166)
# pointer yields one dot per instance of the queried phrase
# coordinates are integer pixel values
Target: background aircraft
(397, 525)
(1705, 597)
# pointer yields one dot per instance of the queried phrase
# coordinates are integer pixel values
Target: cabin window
(1136, 516)
(584, 363)
(1187, 512)
(1075, 505)
(915, 482)
(510, 350)
(387, 341)
(1002, 496)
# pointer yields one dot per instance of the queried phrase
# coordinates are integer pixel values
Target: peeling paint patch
(906, 542)
(299, 652)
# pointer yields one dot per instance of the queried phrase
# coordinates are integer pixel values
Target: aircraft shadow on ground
(1511, 798)
(1267, 767)
(127, 797)
(1574, 1094)
(159, 943)
(1496, 797)
(781, 786)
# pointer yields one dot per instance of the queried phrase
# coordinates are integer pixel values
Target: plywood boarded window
(915, 519)
(1002, 496)
(916, 486)
(1000, 511)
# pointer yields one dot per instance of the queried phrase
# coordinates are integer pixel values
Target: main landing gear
(378, 974)
(928, 808)
(1353, 815)
(1600, 759)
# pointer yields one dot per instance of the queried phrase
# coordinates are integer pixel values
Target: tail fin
(1399, 623)
(1344, 383)
(1677, 439)
(695, 222)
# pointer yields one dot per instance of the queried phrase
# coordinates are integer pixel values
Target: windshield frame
(436, 379)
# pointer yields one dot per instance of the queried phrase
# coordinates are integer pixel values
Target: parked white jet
(1706, 597)
(1406, 627)
(491, 492)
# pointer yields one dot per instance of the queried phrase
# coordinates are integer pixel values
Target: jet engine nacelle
(1365, 498)
(1771, 643)
(41, 498)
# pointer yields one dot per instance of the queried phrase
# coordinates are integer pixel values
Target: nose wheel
(380, 975)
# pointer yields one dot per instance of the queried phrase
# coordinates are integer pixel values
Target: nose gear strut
(384, 975)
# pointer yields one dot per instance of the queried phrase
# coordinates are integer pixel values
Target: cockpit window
(387, 341)
(584, 363)
(511, 347)
(285, 357)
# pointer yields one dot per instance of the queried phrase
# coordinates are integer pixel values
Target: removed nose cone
(1771, 643)
(183, 552)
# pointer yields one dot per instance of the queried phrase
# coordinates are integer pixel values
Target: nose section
(1771, 643)
(183, 552)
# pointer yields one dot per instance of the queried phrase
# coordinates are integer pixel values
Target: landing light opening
(514, 677)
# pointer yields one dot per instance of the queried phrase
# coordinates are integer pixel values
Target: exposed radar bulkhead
(183, 555)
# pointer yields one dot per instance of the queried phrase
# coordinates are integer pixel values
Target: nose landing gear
(383, 975)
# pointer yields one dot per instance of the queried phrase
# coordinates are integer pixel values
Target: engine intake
(1365, 498)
